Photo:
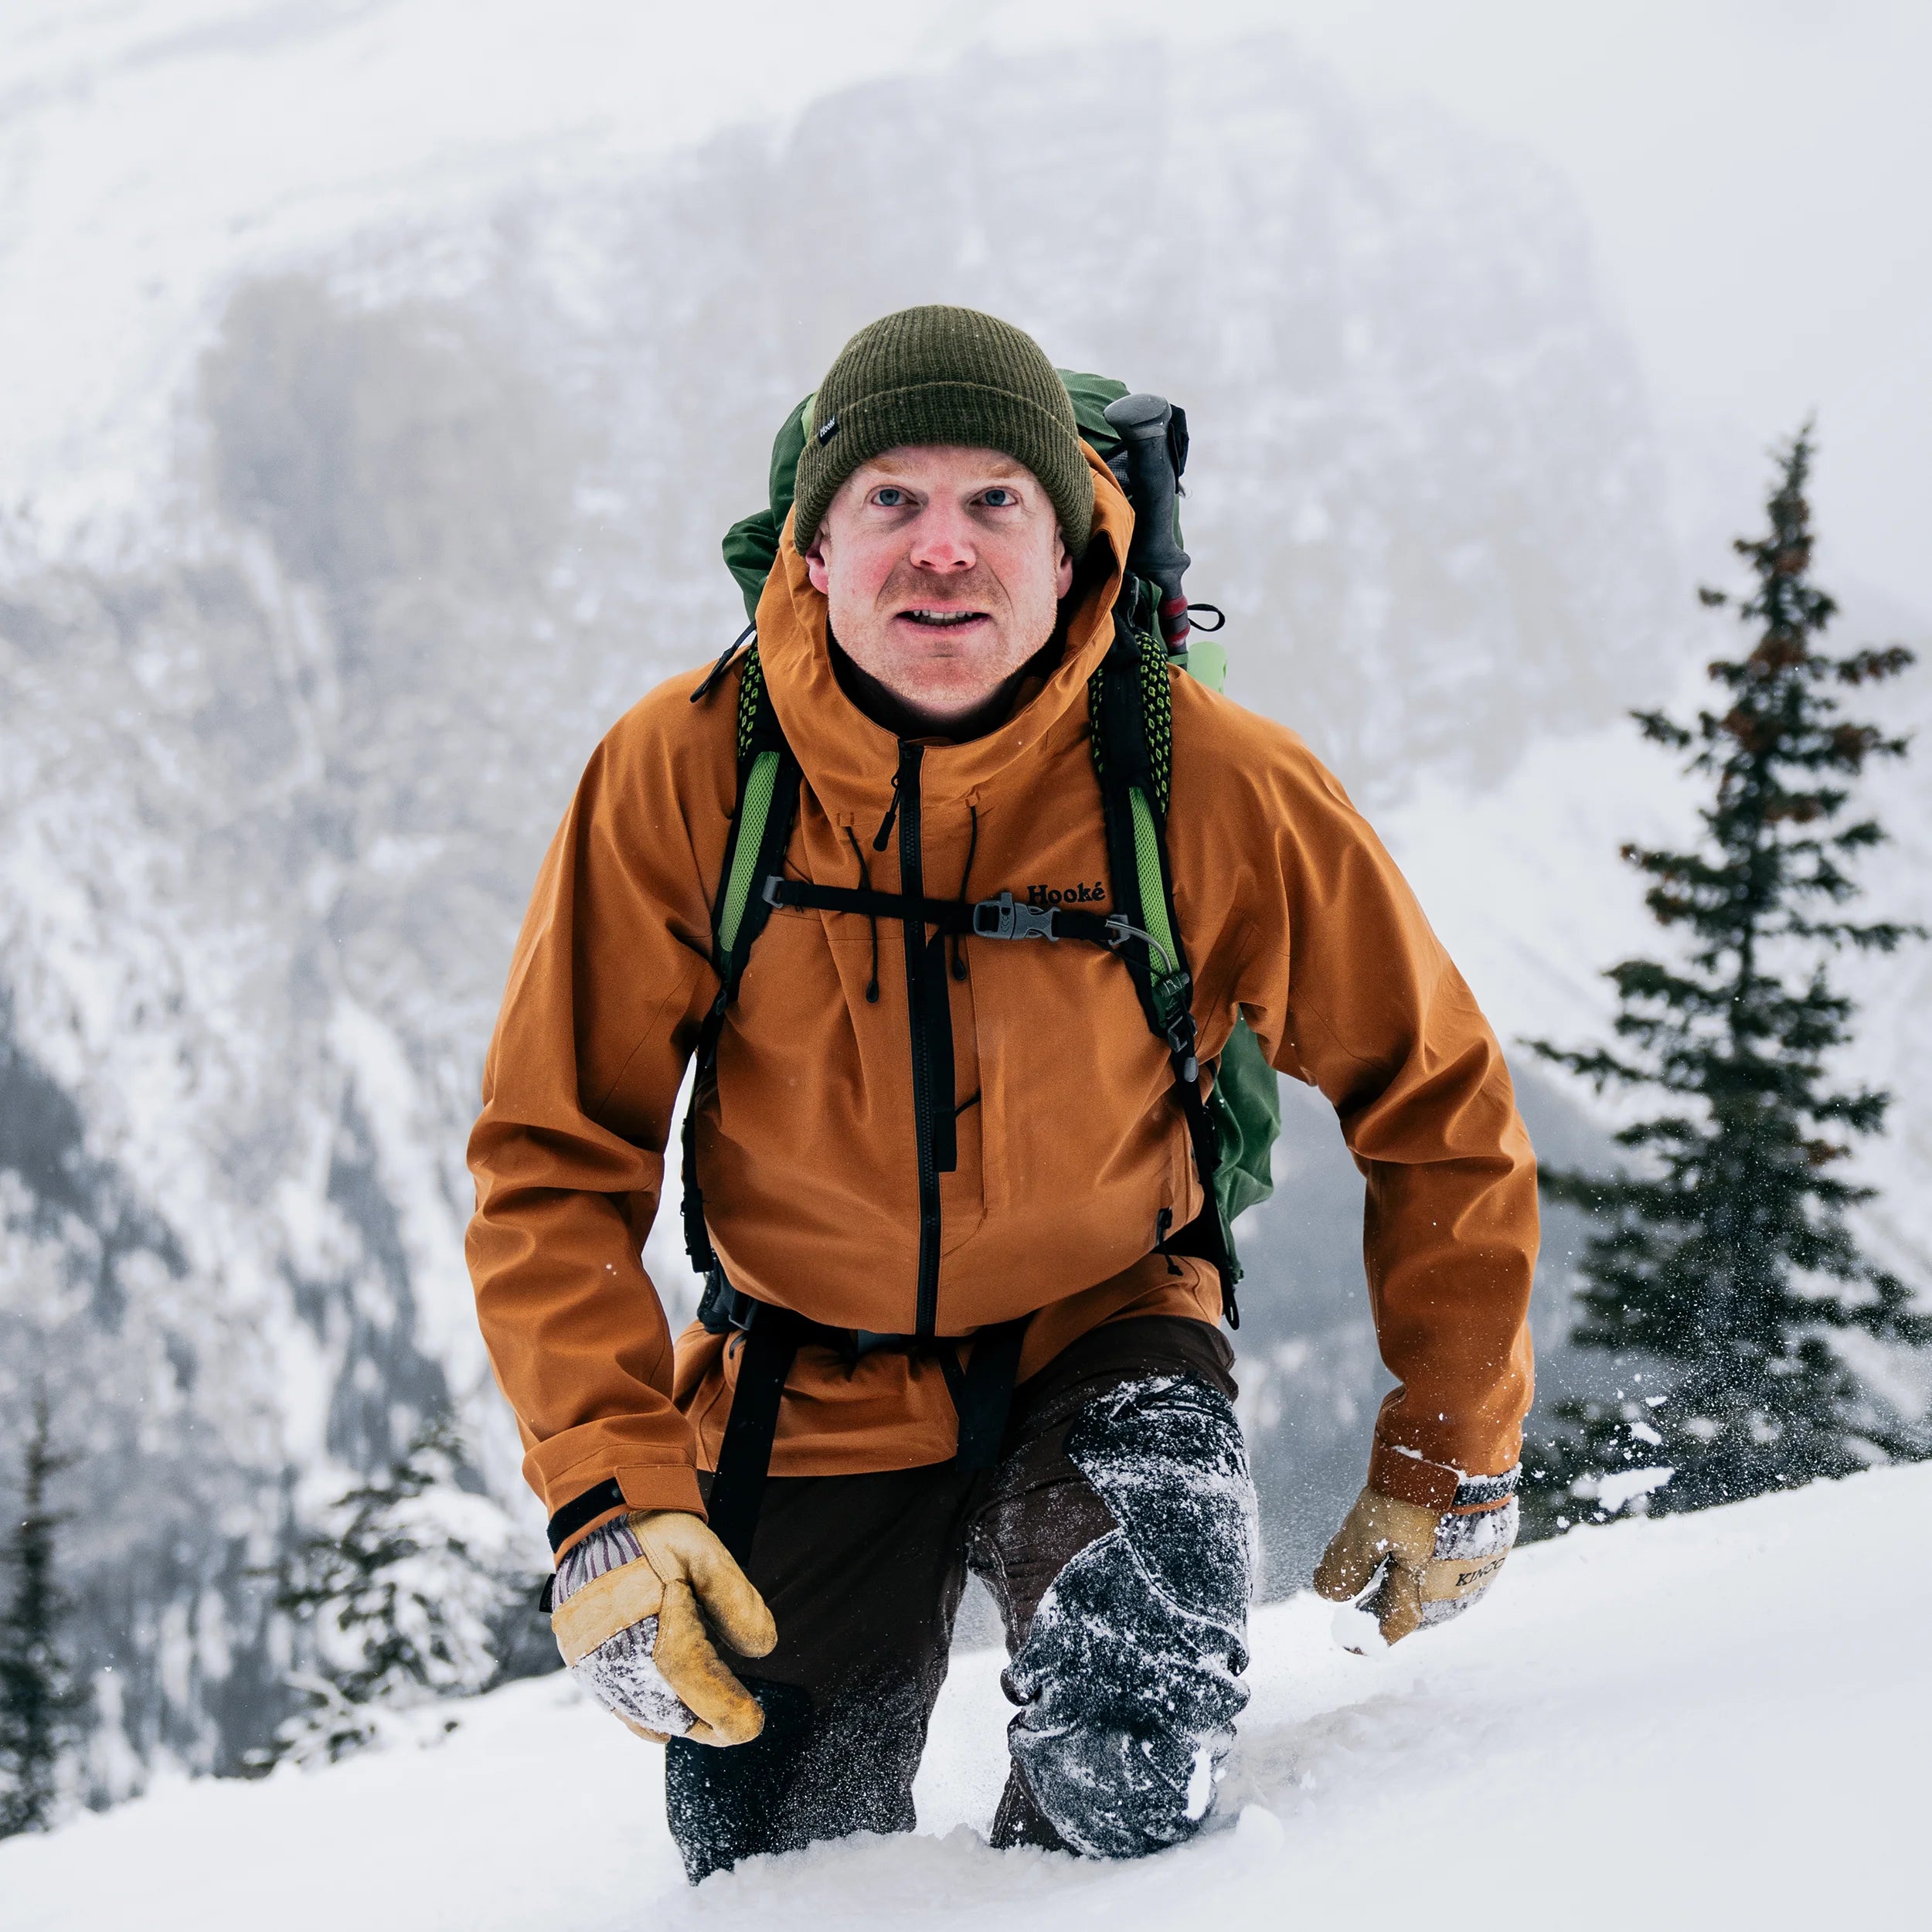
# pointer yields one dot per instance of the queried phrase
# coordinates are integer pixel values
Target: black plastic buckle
(1180, 1040)
(722, 1307)
(1005, 918)
(715, 1304)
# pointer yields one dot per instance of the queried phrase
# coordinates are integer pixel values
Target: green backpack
(1235, 1130)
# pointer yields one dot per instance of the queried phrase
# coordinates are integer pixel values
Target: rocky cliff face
(274, 781)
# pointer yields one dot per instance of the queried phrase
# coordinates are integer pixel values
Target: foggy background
(379, 379)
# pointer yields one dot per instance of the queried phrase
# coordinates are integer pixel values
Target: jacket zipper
(924, 1025)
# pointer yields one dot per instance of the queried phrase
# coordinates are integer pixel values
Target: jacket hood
(848, 760)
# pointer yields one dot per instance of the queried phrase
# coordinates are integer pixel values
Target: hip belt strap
(982, 1393)
(770, 1345)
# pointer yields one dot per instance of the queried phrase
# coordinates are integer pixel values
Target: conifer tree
(40, 1706)
(396, 1596)
(1722, 1261)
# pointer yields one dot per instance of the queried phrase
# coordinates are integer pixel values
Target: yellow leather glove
(635, 1638)
(1420, 1566)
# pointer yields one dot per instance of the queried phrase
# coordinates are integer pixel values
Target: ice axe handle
(1141, 423)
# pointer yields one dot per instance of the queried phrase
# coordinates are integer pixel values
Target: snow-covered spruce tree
(396, 1597)
(41, 1707)
(1723, 1261)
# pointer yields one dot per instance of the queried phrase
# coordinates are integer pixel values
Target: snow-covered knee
(1128, 1680)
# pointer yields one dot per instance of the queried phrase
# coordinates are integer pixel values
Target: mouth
(932, 617)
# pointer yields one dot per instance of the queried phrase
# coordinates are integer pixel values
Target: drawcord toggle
(885, 832)
(1163, 1224)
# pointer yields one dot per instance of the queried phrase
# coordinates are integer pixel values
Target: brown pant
(1123, 1491)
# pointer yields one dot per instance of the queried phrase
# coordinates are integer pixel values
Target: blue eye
(888, 497)
(997, 498)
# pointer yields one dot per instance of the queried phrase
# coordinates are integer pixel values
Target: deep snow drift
(1715, 1720)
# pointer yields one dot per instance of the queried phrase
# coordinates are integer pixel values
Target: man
(924, 1153)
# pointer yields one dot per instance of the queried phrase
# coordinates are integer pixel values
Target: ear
(1063, 564)
(815, 565)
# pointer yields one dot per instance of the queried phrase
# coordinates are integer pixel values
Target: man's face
(943, 569)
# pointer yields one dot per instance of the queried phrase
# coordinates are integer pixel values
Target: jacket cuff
(1408, 1477)
(640, 1486)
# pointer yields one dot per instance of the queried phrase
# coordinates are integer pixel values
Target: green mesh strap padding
(1147, 866)
(757, 782)
(1157, 710)
(1156, 713)
(1156, 718)
(753, 812)
(751, 688)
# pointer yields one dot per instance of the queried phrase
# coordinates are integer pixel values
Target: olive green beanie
(940, 375)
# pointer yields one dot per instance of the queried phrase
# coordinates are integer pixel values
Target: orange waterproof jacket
(1069, 1141)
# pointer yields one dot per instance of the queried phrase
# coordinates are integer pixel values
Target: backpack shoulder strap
(1131, 706)
(761, 820)
(767, 802)
(1131, 703)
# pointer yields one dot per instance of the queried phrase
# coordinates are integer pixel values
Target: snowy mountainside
(432, 479)
(1682, 1722)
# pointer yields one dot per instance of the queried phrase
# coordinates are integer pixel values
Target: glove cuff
(1472, 1538)
(608, 1547)
(1486, 1492)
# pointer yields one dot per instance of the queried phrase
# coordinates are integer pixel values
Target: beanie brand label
(826, 431)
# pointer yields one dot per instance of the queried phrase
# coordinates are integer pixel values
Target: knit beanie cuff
(941, 375)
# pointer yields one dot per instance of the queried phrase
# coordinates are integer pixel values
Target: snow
(156, 155)
(1677, 1721)
(1613, 1492)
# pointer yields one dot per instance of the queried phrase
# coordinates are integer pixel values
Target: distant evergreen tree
(1723, 1262)
(40, 1705)
(397, 1597)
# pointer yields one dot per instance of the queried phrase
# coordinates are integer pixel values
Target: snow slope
(1709, 1721)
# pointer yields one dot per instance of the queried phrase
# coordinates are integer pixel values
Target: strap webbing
(1001, 918)
(744, 1457)
(982, 1393)
(986, 1397)
(575, 1514)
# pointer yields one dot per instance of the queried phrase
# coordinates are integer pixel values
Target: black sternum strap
(1003, 917)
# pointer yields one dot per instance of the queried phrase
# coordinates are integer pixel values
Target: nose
(943, 539)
